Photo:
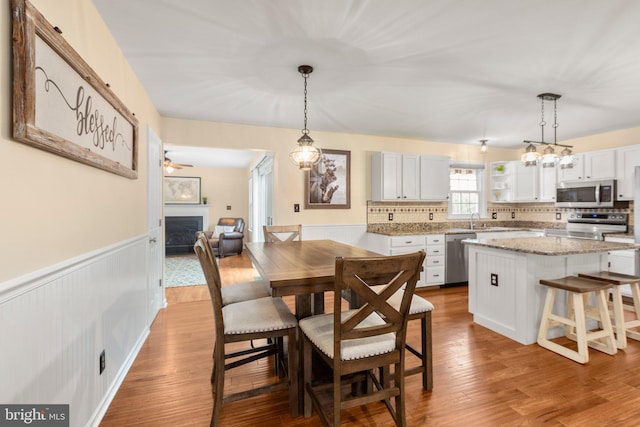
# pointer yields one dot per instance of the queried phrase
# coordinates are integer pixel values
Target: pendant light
(305, 154)
(549, 157)
(483, 145)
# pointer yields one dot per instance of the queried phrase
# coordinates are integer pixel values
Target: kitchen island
(505, 294)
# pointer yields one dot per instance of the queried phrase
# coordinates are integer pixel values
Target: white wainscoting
(350, 234)
(55, 322)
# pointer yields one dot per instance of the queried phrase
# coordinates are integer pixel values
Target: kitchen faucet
(471, 219)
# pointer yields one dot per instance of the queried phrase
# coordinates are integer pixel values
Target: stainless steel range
(590, 225)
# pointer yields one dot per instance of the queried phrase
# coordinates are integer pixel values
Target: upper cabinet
(395, 176)
(500, 182)
(525, 182)
(547, 191)
(515, 182)
(627, 160)
(599, 164)
(434, 178)
(409, 177)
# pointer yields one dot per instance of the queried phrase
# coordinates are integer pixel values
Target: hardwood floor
(480, 377)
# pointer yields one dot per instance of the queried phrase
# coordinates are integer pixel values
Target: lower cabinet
(434, 263)
(406, 244)
(623, 262)
(433, 245)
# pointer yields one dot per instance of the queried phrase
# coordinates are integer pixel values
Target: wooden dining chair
(358, 342)
(282, 233)
(263, 318)
(238, 292)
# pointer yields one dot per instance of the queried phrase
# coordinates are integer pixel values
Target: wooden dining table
(305, 269)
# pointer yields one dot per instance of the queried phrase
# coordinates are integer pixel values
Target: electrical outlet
(494, 215)
(296, 207)
(513, 215)
(430, 216)
(558, 215)
(102, 361)
(494, 279)
(390, 216)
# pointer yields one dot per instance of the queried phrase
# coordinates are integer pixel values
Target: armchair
(224, 243)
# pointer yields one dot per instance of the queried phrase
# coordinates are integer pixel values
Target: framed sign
(328, 184)
(61, 105)
(182, 190)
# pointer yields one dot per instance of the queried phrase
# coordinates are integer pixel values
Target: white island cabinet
(505, 294)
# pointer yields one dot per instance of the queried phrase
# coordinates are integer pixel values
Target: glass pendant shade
(549, 157)
(530, 156)
(566, 159)
(305, 154)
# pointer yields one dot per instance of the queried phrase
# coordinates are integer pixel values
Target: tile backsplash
(434, 215)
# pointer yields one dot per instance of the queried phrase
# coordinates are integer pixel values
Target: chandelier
(549, 158)
(305, 154)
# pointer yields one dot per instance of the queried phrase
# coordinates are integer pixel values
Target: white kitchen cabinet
(622, 261)
(501, 182)
(599, 164)
(525, 182)
(395, 176)
(627, 159)
(547, 191)
(434, 178)
(399, 245)
(435, 261)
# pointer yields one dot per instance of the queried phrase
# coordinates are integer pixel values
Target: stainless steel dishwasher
(457, 269)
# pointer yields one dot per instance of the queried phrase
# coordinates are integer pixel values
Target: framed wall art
(181, 190)
(61, 105)
(328, 184)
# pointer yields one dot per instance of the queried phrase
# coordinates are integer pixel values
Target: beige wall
(223, 187)
(288, 180)
(54, 209)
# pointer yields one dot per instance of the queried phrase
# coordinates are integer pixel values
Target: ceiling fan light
(169, 169)
(483, 146)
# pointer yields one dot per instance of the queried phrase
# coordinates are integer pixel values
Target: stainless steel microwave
(586, 194)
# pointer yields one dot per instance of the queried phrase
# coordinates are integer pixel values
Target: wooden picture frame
(61, 105)
(328, 184)
(181, 190)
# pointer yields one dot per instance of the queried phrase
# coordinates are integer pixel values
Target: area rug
(183, 270)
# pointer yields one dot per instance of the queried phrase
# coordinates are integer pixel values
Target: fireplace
(180, 233)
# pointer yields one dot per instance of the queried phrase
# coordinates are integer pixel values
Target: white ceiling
(439, 70)
(210, 157)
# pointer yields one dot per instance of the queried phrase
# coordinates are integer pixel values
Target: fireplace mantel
(189, 210)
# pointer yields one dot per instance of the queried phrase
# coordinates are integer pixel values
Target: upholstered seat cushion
(319, 330)
(418, 304)
(258, 315)
(239, 292)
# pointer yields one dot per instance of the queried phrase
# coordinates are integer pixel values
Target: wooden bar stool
(621, 327)
(579, 290)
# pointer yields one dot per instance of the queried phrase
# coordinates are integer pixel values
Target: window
(466, 182)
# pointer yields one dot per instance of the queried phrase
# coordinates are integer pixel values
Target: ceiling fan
(169, 166)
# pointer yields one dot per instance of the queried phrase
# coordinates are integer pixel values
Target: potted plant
(204, 200)
(499, 168)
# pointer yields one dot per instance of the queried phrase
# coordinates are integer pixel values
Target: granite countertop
(551, 245)
(478, 230)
